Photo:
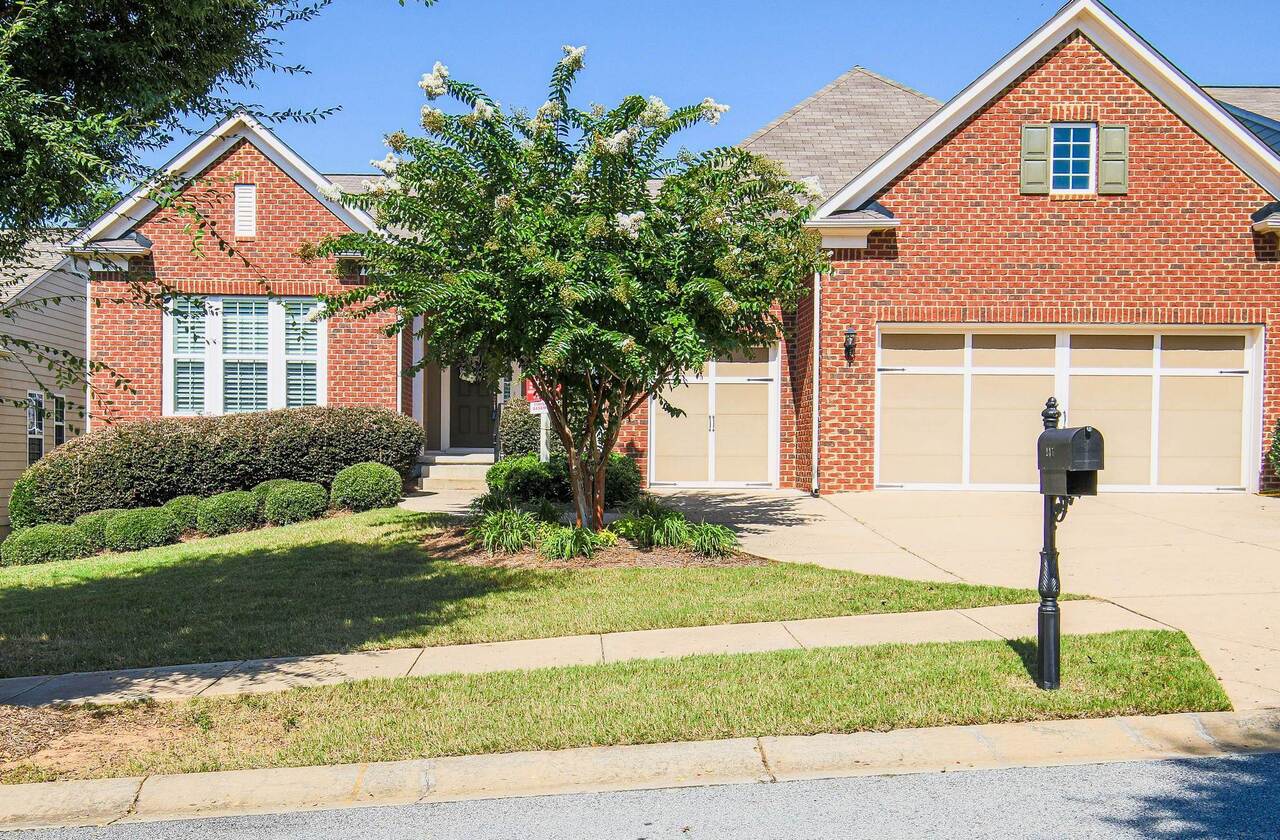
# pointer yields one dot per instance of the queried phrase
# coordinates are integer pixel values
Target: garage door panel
(1004, 426)
(742, 431)
(681, 444)
(1120, 407)
(1201, 433)
(922, 428)
(1202, 351)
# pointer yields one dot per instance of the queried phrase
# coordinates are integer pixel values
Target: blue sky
(759, 56)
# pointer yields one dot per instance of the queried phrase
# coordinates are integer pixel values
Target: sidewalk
(266, 675)
(644, 766)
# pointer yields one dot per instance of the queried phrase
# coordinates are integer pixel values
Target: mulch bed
(453, 544)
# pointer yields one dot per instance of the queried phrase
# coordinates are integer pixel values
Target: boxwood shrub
(367, 486)
(526, 479)
(148, 527)
(225, 513)
(94, 525)
(184, 510)
(130, 465)
(295, 501)
(519, 430)
(43, 544)
(263, 488)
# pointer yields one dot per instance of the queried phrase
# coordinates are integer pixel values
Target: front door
(470, 413)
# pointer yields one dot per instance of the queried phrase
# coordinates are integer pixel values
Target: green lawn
(364, 582)
(694, 698)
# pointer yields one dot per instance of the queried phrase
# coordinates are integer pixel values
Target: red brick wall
(125, 333)
(1176, 249)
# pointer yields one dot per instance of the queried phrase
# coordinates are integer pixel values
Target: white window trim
(1251, 432)
(1093, 158)
(277, 359)
(39, 434)
(59, 424)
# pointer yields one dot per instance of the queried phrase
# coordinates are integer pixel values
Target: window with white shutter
(245, 354)
(300, 348)
(188, 352)
(246, 210)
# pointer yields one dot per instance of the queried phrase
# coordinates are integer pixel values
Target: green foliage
(184, 509)
(295, 501)
(621, 481)
(551, 223)
(226, 513)
(545, 510)
(647, 504)
(504, 531)
(1273, 458)
(519, 430)
(262, 488)
(710, 540)
(94, 525)
(23, 512)
(129, 465)
(670, 529)
(133, 530)
(564, 542)
(44, 544)
(492, 501)
(524, 478)
(366, 486)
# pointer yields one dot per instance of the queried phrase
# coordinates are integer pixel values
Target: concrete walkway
(1206, 564)
(266, 675)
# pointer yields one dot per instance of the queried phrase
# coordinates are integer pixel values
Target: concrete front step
(453, 457)
(452, 470)
(436, 485)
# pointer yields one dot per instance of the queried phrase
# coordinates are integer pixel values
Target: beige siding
(59, 325)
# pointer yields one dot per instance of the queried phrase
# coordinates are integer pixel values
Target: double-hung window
(59, 420)
(35, 426)
(229, 355)
(1072, 154)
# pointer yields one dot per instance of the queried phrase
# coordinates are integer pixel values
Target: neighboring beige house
(47, 301)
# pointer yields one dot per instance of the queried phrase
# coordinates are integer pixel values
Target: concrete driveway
(1206, 564)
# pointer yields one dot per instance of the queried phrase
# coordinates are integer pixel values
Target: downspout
(817, 356)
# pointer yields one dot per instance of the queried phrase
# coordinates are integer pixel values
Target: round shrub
(184, 510)
(295, 501)
(225, 513)
(133, 530)
(263, 488)
(519, 430)
(43, 544)
(94, 525)
(621, 479)
(523, 478)
(130, 465)
(367, 486)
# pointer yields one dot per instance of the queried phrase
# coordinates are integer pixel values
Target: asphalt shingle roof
(1257, 109)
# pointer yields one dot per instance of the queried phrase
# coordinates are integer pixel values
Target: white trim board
(1124, 46)
(196, 157)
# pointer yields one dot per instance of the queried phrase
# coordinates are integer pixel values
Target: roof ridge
(1243, 87)
(823, 91)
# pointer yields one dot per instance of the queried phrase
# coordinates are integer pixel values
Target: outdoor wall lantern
(850, 343)
(1069, 460)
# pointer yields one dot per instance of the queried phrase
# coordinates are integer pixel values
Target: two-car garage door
(961, 409)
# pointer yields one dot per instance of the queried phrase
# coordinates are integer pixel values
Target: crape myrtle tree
(570, 244)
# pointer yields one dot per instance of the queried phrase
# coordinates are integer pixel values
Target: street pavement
(1208, 797)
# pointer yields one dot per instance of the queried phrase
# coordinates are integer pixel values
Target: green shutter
(1035, 160)
(1113, 159)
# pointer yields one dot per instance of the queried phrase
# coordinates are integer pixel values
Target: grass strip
(365, 582)
(693, 698)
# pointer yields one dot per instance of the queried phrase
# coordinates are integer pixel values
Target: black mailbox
(1069, 460)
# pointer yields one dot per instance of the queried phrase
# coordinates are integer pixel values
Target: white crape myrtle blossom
(655, 112)
(433, 83)
(390, 184)
(573, 56)
(432, 119)
(483, 111)
(581, 164)
(629, 223)
(712, 110)
(331, 192)
(620, 141)
(387, 165)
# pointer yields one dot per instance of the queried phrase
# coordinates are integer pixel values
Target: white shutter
(188, 327)
(301, 384)
(246, 209)
(188, 386)
(299, 333)
(244, 386)
(245, 330)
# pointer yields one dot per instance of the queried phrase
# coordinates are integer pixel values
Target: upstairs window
(35, 426)
(1072, 156)
(246, 210)
(59, 420)
(301, 343)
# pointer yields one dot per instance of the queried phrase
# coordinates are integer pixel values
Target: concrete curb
(638, 767)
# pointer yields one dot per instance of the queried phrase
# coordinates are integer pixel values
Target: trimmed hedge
(295, 501)
(148, 527)
(184, 510)
(94, 525)
(526, 478)
(367, 486)
(226, 513)
(44, 544)
(519, 430)
(136, 464)
(263, 488)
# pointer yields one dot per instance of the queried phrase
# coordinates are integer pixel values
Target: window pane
(299, 332)
(188, 387)
(59, 435)
(1061, 182)
(59, 409)
(244, 327)
(35, 414)
(244, 386)
(188, 327)
(1061, 134)
(35, 450)
(1080, 135)
(301, 384)
(1079, 182)
(1061, 150)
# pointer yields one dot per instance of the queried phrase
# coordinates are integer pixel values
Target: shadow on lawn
(230, 602)
(1222, 797)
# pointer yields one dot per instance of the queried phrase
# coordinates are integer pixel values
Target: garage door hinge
(1233, 371)
(889, 370)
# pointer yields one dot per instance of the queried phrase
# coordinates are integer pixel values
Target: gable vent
(246, 209)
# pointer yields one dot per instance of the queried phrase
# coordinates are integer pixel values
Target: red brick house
(1082, 221)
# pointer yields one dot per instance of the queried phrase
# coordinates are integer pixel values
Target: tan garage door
(725, 438)
(963, 409)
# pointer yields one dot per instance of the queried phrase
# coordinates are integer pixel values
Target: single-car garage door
(961, 409)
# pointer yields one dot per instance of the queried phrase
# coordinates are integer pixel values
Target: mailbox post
(1069, 460)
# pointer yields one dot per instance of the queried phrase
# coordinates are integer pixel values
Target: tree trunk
(598, 486)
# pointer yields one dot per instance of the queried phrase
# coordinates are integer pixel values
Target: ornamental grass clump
(505, 531)
(707, 539)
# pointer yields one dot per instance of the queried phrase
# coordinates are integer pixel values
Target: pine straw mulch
(452, 543)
